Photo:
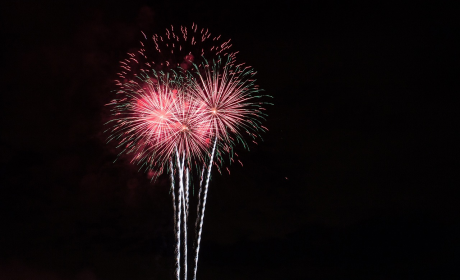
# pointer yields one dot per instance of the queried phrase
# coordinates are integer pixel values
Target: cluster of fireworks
(182, 105)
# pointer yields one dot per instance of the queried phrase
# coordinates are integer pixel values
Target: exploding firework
(155, 117)
(232, 100)
(183, 102)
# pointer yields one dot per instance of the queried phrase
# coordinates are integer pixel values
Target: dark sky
(357, 177)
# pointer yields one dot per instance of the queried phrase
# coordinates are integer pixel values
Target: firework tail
(199, 203)
(176, 221)
(179, 222)
(182, 205)
(187, 190)
(205, 195)
(198, 215)
(184, 223)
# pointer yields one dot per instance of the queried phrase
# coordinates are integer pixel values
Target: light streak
(205, 196)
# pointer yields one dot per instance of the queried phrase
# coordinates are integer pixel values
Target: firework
(182, 101)
(231, 107)
(230, 99)
(155, 117)
(155, 114)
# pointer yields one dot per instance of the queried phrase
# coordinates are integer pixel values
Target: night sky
(357, 177)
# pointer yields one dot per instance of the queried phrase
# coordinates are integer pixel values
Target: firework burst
(182, 101)
(231, 99)
(155, 117)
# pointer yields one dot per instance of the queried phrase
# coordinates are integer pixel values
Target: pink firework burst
(173, 100)
(175, 108)
(230, 97)
(157, 118)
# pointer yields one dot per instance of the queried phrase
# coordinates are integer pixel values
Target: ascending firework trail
(184, 102)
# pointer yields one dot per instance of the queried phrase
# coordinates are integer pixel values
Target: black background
(357, 177)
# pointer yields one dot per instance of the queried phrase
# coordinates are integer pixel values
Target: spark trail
(197, 251)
